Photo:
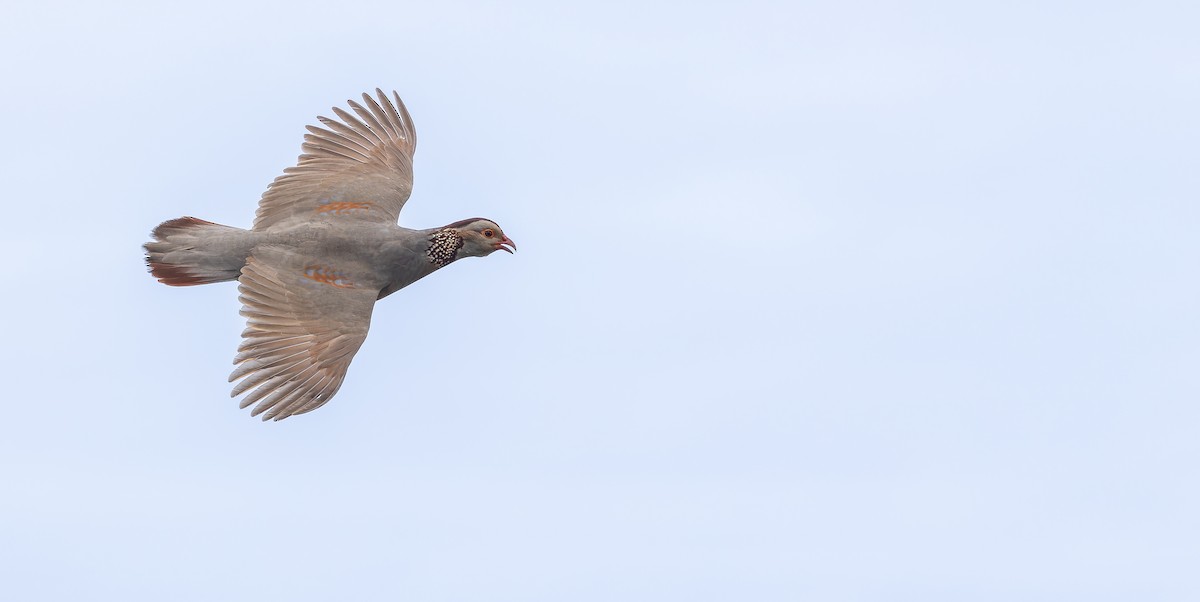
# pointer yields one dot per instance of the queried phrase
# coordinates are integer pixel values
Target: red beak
(506, 241)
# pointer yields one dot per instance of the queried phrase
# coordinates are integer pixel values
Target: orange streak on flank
(324, 275)
(342, 207)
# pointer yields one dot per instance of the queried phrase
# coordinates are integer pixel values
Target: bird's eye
(488, 233)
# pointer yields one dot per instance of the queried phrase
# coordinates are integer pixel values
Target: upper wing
(305, 321)
(359, 168)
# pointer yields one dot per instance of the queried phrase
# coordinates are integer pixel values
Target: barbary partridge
(324, 247)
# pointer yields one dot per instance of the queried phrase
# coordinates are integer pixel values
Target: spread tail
(179, 255)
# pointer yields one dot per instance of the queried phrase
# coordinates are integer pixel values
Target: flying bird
(324, 247)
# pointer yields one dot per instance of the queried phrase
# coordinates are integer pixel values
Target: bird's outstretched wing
(305, 321)
(358, 168)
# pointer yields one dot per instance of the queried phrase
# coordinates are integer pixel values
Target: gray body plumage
(324, 247)
(382, 255)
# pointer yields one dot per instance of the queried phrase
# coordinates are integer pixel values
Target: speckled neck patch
(444, 246)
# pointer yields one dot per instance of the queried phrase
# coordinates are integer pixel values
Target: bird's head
(475, 237)
(481, 237)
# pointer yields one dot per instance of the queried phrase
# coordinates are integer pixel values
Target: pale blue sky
(839, 301)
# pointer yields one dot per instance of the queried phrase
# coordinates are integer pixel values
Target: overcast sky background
(813, 301)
